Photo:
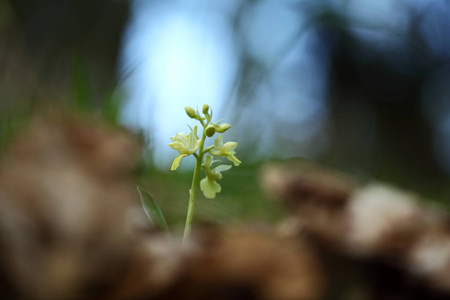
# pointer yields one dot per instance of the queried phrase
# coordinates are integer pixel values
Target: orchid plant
(191, 144)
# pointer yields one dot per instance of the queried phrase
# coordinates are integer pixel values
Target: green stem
(194, 185)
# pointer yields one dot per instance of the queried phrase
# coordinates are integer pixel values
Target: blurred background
(360, 86)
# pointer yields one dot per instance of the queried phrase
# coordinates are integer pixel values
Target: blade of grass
(111, 107)
(152, 210)
(82, 95)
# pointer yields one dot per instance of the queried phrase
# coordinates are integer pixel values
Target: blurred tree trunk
(377, 121)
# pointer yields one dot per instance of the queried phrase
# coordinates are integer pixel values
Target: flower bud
(205, 109)
(190, 112)
(210, 131)
(223, 127)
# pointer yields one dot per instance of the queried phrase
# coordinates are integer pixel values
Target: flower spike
(192, 145)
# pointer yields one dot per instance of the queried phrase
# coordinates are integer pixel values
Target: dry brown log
(371, 227)
(233, 264)
(66, 198)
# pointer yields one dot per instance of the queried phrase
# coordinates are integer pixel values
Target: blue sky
(185, 53)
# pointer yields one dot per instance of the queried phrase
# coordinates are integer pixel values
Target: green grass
(241, 199)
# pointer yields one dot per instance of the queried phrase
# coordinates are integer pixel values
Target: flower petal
(216, 153)
(222, 168)
(180, 137)
(193, 138)
(197, 145)
(209, 188)
(176, 162)
(177, 146)
(218, 143)
(229, 146)
(208, 161)
(234, 159)
(207, 166)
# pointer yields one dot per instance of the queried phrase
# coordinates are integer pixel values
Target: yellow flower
(226, 150)
(185, 145)
(209, 185)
